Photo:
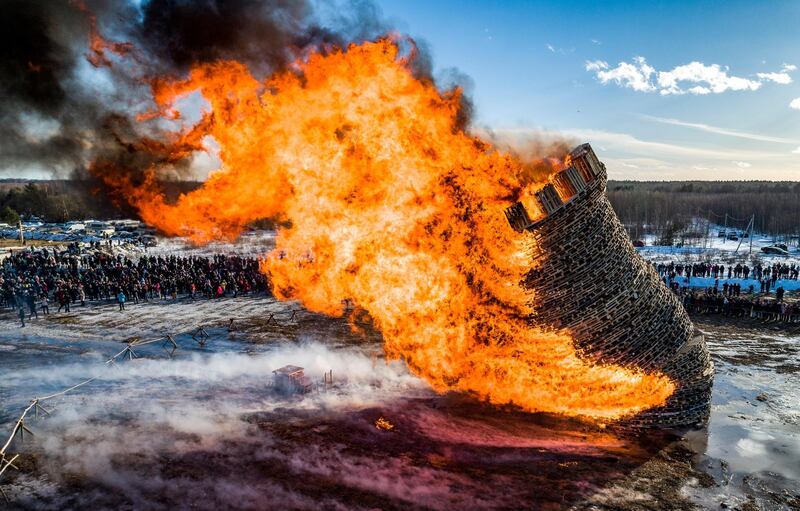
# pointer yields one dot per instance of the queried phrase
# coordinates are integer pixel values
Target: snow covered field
(723, 251)
(251, 243)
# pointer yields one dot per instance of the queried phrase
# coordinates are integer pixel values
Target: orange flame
(98, 46)
(391, 206)
(383, 424)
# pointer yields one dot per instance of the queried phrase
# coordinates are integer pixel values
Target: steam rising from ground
(205, 431)
(117, 432)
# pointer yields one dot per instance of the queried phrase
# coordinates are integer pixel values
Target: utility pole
(21, 233)
(752, 226)
(746, 230)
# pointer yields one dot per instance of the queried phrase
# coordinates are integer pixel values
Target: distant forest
(644, 207)
(61, 201)
(655, 207)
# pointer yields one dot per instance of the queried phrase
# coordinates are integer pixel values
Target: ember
(383, 424)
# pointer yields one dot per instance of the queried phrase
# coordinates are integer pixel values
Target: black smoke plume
(74, 72)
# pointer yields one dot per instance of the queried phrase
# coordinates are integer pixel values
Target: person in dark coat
(30, 299)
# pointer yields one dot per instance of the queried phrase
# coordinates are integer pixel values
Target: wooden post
(39, 407)
(131, 354)
(200, 336)
(8, 463)
(21, 233)
(22, 430)
(4, 464)
(171, 341)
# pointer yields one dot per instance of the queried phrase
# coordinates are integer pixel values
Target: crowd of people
(33, 280)
(708, 302)
(732, 298)
(771, 273)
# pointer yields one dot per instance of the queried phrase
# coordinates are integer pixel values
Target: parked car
(149, 240)
(778, 249)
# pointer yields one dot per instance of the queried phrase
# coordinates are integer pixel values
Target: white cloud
(635, 76)
(781, 77)
(795, 104)
(697, 89)
(596, 65)
(722, 131)
(700, 78)
(595, 41)
(615, 141)
(562, 51)
(796, 151)
(661, 160)
(716, 79)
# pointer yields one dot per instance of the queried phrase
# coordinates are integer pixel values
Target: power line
(729, 217)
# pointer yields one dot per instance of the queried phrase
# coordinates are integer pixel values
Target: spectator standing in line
(30, 299)
(63, 300)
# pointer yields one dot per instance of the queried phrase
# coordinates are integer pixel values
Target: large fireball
(387, 203)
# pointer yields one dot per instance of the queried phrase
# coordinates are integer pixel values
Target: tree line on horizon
(650, 207)
(645, 207)
(64, 200)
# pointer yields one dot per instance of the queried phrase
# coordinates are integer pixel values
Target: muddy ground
(204, 429)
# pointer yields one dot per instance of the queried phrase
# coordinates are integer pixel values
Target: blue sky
(663, 90)
(667, 90)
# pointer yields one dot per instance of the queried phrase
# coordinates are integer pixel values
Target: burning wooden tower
(590, 281)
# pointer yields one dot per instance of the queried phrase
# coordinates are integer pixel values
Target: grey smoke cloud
(117, 431)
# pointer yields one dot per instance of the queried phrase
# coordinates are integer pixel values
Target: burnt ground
(203, 430)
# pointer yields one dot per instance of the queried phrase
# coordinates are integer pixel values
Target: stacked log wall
(587, 278)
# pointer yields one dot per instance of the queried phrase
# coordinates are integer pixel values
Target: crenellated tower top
(583, 170)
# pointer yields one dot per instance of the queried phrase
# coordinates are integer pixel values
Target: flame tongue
(393, 207)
